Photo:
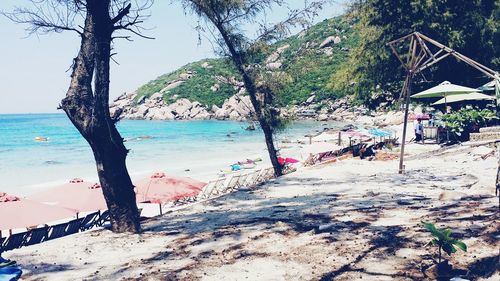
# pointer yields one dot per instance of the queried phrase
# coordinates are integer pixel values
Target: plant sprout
(444, 240)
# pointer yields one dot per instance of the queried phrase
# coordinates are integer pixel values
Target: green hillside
(309, 66)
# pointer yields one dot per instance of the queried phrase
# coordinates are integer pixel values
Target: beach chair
(74, 226)
(14, 241)
(36, 236)
(266, 174)
(104, 217)
(230, 186)
(209, 188)
(242, 180)
(57, 231)
(251, 178)
(90, 221)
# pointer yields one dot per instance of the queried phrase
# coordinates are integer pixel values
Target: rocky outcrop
(329, 41)
(238, 107)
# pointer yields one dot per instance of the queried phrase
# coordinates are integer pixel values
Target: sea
(199, 149)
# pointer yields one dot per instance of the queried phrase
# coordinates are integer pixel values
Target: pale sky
(33, 77)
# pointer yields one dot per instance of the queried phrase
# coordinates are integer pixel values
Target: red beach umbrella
(77, 195)
(160, 188)
(16, 212)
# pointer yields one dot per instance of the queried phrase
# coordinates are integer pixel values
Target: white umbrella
(464, 97)
(443, 90)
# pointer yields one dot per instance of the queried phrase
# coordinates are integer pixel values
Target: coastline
(348, 220)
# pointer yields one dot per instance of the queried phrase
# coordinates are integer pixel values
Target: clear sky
(33, 70)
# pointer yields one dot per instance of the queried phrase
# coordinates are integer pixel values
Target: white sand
(352, 220)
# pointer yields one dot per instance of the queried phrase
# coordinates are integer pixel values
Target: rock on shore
(239, 108)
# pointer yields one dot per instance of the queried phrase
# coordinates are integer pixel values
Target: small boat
(40, 138)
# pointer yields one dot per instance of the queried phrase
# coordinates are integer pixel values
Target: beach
(349, 220)
(198, 149)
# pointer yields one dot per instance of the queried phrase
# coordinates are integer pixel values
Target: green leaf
(449, 249)
(461, 245)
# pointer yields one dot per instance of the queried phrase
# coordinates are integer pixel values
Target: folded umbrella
(78, 195)
(16, 212)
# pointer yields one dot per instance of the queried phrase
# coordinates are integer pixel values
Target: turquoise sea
(186, 148)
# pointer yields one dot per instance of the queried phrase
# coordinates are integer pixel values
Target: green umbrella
(464, 97)
(443, 90)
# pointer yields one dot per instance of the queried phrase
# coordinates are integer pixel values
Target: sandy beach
(350, 220)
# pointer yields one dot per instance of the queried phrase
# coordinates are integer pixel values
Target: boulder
(323, 117)
(329, 41)
(215, 87)
(185, 76)
(172, 85)
(180, 106)
(206, 65)
(156, 96)
(221, 114)
(310, 99)
(274, 65)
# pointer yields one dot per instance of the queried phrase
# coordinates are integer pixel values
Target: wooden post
(340, 139)
(405, 124)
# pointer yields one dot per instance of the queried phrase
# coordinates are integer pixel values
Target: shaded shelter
(160, 188)
(77, 195)
(16, 212)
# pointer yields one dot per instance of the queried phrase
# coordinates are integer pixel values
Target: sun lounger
(36, 236)
(209, 189)
(90, 221)
(57, 231)
(251, 179)
(242, 180)
(265, 175)
(230, 186)
(14, 241)
(74, 226)
(104, 217)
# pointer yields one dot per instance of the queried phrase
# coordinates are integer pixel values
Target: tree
(224, 20)
(469, 26)
(87, 105)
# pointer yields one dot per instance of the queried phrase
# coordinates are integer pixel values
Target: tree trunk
(88, 110)
(238, 59)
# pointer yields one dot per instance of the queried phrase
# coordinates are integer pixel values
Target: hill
(310, 58)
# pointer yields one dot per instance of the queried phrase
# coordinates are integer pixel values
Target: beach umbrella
(490, 86)
(16, 212)
(464, 97)
(319, 147)
(160, 188)
(443, 90)
(78, 195)
(287, 160)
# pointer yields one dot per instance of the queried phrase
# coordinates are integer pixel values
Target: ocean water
(185, 148)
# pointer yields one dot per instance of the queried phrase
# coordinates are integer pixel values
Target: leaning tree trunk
(88, 110)
(266, 128)
(239, 61)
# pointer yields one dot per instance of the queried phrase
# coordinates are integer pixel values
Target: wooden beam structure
(419, 57)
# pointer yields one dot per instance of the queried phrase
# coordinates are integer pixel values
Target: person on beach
(419, 130)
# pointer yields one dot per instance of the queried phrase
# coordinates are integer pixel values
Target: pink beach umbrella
(77, 195)
(21, 213)
(160, 188)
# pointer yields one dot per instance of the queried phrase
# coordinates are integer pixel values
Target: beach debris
(41, 139)
(250, 127)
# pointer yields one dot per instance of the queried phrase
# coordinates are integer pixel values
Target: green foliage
(466, 121)
(443, 240)
(306, 67)
(468, 26)
(197, 88)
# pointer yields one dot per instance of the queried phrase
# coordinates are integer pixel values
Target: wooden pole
(340, 139)
(405, 124)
